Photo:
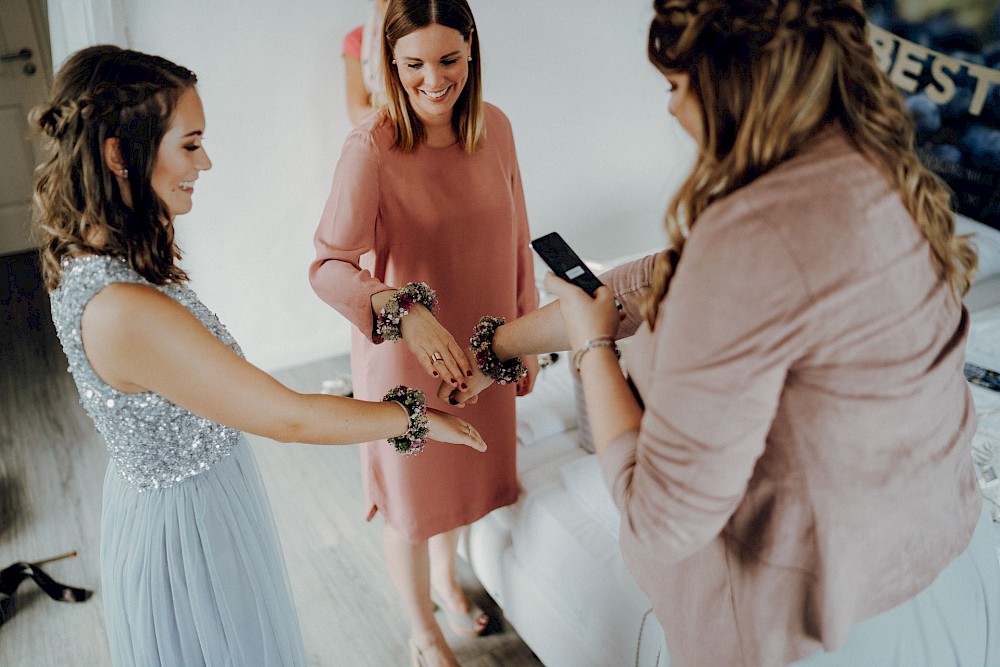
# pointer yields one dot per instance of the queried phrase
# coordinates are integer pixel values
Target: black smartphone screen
(565, 263)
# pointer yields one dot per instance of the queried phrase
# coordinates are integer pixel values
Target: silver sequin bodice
(152, 442)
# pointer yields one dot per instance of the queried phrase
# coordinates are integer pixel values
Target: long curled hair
(403, 17)
(103, 92)
(767, 75)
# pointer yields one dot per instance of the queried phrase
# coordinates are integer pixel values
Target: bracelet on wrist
(588, 345)
(389, 318)
(414, 402)
(502, 372)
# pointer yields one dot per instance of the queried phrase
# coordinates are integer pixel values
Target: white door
(24, 82)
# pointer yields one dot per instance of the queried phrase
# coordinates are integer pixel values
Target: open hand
(449, 428)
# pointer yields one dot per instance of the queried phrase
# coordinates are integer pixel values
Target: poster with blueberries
(944, 55)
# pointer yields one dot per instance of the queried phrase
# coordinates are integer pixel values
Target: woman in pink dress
(362, 52)
(429, 191)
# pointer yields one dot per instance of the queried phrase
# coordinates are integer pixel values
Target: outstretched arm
(138, 339)
(567, 324)
(538, 332)
(544, 330)
(535, 333)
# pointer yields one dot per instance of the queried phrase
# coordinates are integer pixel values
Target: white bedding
(984, 350)
(543, 412)
(584, 480)
(573, 559)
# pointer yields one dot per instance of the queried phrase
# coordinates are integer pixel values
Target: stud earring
(124, 173)
(469, 59)
(394, 61)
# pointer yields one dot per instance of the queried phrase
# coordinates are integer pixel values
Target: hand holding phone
(566, 264)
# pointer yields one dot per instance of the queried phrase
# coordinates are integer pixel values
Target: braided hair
(768, 74)
(105, 92)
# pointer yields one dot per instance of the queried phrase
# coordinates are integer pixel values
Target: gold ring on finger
(437, 356)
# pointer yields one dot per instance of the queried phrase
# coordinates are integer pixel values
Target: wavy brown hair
(403, 17)
(767, 75)
(103, 92)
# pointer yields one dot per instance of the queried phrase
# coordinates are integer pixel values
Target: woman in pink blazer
(790, 447)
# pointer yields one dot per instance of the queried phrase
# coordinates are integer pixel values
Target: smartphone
(565, 263)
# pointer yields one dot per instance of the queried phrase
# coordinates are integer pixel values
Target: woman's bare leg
(409, 568)
(443, 577)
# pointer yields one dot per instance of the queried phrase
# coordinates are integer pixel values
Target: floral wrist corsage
(413, 400)
(502, 372)
(387, 323)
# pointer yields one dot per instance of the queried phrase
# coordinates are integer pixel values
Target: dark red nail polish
(469, 373)
(435, 373)
(464, 386)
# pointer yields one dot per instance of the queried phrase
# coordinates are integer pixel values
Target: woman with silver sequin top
(191, 566)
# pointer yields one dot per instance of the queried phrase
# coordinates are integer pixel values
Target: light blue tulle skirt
(194, 575)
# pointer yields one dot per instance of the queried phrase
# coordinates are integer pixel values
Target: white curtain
(74, 24)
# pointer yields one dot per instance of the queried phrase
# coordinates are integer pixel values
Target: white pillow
(549, 408)
(584, 480)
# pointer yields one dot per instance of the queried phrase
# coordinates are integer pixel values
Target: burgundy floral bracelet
(387, 325)
(502, 372)
(414, 402)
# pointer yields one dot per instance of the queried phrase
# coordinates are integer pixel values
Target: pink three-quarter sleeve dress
(458, 223)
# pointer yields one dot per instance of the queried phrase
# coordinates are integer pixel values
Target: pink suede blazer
(803, 461)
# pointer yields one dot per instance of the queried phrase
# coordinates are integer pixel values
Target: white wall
(598, 151)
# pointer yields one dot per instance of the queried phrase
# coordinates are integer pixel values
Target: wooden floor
(52, 466)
